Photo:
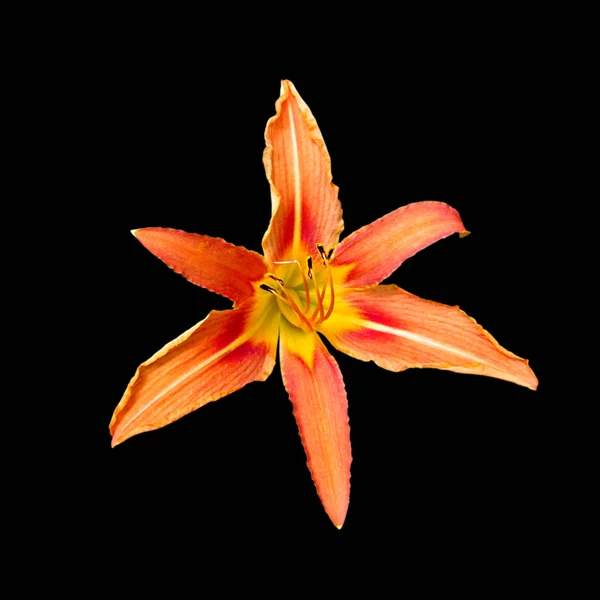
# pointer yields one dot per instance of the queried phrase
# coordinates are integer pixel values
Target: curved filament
(319, 315)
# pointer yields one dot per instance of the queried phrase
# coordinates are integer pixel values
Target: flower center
(306, 300)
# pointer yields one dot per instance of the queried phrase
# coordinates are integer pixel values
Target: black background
(443, 463)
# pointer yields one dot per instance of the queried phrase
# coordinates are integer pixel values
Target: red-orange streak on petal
(206, 261)
(305, 205)
(212, 359)
(378, 249)
(398, 330)
(316, 388)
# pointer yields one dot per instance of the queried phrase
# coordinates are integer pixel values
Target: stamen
(277, 279)
(306, 292)
(319, 314)
(292, 304)
(332, 299)
(268, 288)
(322, 252)
(320, 296)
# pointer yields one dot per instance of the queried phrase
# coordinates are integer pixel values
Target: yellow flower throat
(308, 301)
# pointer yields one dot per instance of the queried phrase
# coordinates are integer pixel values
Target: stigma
(307, 302)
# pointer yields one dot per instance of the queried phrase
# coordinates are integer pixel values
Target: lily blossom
(307, 284)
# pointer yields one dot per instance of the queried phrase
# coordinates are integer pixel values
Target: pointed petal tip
(117, 436)
(340, 526)
(533, 380)
(134, 232)
(287, 88)
(401, 331)
(464, 234)
(115, 439)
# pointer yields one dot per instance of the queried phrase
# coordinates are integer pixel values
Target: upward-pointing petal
(305, 205)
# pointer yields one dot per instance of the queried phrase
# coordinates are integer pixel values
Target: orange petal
(217, 356)
(305, 206)
(398, 330)
(314, 382)
(209, 262)
(375, 251)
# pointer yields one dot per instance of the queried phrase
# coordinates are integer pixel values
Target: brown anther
(268, 288)
(321, 251)
(309, 264)
(330, 253)
(277, 279)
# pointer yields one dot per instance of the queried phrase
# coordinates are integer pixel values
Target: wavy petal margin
(305, 205)
(375, 251)
(397, 331)
(214, 358)
(316, 388)
(211, 263)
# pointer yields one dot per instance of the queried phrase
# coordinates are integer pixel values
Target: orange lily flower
(307, 284)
